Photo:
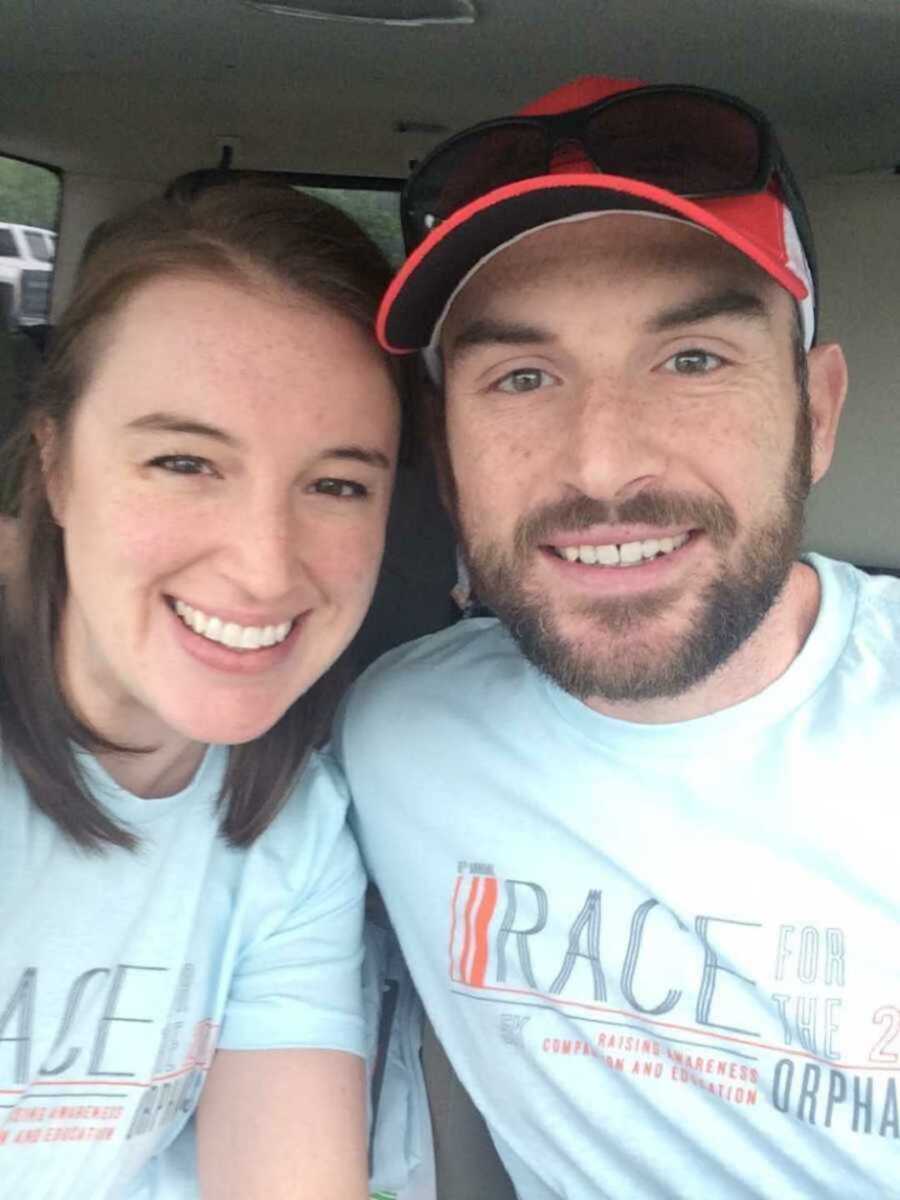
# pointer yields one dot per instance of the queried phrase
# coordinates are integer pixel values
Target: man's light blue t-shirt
(664, 959)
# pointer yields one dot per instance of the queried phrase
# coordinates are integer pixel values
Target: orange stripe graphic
(467, 929)
(482, 921)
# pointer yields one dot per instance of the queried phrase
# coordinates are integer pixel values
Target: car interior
(104, 102)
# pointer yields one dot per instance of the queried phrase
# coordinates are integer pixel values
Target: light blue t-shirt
(120, 974)
(664, 960)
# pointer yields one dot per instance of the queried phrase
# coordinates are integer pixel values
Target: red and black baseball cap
(594, 146)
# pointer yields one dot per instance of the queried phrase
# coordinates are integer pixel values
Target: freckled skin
(251, 533)
(609, 417)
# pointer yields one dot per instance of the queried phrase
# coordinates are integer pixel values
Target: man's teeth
(628, 554)
(228, 633)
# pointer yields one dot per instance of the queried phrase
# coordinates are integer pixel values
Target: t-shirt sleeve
(297, 978)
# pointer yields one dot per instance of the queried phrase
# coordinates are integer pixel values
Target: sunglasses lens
(691, 145)
(467, 169)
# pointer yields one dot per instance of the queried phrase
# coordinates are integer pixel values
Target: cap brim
(419, 293)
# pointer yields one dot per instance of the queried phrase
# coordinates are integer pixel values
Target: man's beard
(635, 666)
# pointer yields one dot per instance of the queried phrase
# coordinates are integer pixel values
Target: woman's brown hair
(253, 233)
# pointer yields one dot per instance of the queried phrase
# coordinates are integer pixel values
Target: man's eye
(693, 362)
(343, 489)
(183, 464)
(526, 379)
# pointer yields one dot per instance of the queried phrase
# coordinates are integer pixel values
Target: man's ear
(827, 392)
(46, 434)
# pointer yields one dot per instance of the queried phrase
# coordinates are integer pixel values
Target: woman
(205, 480)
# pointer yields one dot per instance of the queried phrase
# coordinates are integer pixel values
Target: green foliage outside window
(29, 195)
(377, 212)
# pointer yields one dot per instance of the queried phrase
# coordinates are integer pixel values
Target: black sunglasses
(688, 140)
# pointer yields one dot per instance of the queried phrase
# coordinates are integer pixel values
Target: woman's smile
(235, 635)
(211, 650)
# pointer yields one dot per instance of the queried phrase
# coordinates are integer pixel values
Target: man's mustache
(655, 508)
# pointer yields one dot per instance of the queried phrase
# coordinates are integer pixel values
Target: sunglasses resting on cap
(596, 145)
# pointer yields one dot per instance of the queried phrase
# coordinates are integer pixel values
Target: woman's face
(223, 494)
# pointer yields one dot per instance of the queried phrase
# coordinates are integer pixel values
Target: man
(635, 836)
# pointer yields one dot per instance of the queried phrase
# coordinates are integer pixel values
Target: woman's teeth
(628, 554)
(228, 633)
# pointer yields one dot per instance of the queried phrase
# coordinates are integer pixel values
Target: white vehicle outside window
(26, 269)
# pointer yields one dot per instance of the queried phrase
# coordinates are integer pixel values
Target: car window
(378, 212)
(29, 196)
(374, 203)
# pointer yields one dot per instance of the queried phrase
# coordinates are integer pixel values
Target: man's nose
(613, 447)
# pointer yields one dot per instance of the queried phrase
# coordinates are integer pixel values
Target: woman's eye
(693, 362)
(526, 379)
(183, 464)
(343, 489)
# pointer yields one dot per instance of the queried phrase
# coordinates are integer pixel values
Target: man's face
(630, 450)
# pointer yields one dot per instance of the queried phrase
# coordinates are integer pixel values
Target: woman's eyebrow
(162, 422)
(374, 458)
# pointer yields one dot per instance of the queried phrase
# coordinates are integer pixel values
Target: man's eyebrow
(487, 331)
(730, 303)
(161, 422)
